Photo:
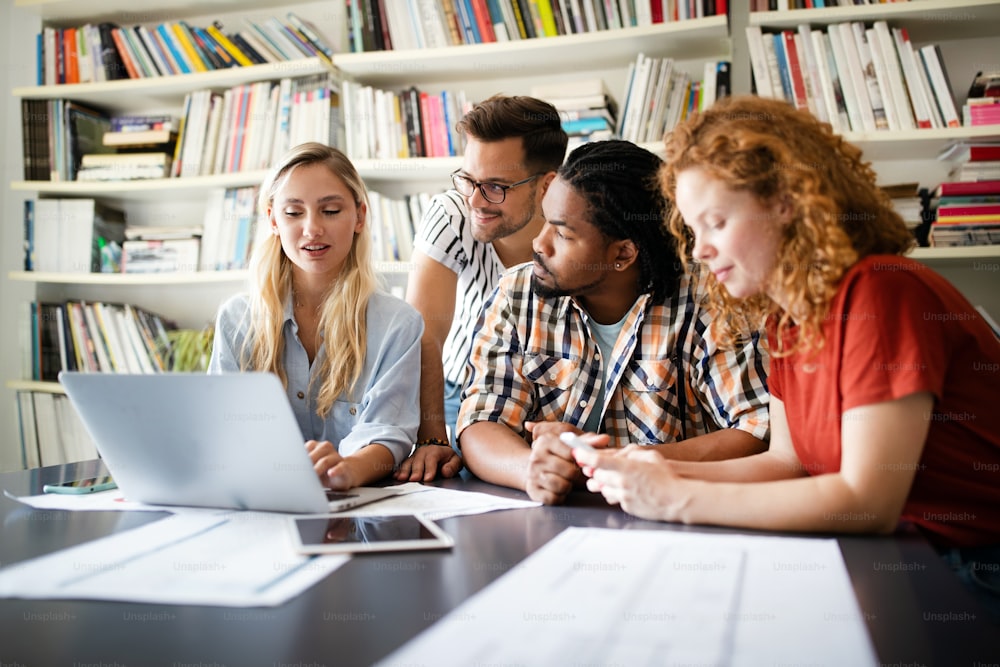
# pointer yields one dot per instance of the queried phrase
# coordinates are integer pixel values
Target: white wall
(16, 69)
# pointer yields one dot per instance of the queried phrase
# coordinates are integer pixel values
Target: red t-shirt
(896, 328)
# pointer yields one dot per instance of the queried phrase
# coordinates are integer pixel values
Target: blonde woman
(348, 355)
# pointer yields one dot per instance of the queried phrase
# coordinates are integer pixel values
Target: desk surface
(915, 610)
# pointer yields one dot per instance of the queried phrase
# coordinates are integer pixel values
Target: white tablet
(333, 534)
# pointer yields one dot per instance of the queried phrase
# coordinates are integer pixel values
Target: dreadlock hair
(619, 182)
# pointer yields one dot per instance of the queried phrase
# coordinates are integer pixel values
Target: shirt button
(597, 355)
(300, 395)
(353, 411)
(583, 404)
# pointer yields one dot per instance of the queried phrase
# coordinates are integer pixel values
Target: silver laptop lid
(227, 440)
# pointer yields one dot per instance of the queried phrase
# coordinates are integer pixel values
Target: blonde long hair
(775, 152)
(343, 320)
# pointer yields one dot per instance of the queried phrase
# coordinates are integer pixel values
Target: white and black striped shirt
(445, 235)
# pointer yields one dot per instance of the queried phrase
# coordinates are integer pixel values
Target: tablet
(332, 534)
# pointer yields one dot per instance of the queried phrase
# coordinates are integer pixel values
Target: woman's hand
(639, 480)
(335, 471)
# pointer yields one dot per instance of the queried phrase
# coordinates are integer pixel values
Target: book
(140, 138)
(177, 255)
(970, 188)
(970, 151)
(85, 128)
(930, 56)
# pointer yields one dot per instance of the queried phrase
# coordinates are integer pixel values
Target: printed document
(231, 559)
(595, 596)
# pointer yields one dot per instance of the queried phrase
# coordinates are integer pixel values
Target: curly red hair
(777, 153)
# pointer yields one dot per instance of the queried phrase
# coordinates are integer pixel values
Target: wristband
(432, 441)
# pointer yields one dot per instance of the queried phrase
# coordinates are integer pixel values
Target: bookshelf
(964, 30)
(481, 70)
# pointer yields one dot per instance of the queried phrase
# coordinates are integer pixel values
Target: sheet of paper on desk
(437, 503)
(111, 500)
(229, 559)
(595, 596)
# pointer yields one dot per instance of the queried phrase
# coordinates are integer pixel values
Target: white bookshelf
(925, 20)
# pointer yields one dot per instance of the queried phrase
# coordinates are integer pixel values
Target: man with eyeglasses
(467, 239)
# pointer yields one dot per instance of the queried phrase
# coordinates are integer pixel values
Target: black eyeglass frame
(457, 178)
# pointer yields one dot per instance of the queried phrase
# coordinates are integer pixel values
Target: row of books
(784, 5)
(51, 430)
(229, 229)
(377, 25)
(393, 224)
(94, 337)
(250, 126)
(382, 124)
(107, 52)
(71, 235)
(658, 96)
(55, 136)
(854, 77)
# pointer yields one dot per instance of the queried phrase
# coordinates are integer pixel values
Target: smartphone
(79, 486)
(575, 441)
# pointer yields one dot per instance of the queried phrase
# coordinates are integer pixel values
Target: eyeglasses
(494, 193)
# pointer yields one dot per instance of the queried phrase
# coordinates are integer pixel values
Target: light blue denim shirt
(388, 411)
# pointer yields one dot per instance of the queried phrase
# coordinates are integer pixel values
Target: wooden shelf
(72, 12)
(684, 40)
(123, 279)
(151, 189)
(133, 279)
(140, 95)
(35, 385)
(916, 144)
(962, 253)
(925, 20)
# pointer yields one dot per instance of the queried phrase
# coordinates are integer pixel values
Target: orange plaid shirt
(535, 359)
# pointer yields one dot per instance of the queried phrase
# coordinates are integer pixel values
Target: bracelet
(432, 441)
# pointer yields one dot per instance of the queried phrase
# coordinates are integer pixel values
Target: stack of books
(982, 105)
(143, 145)
(855, 78)
(106, 51)
(587, 109)
(51, 430)
(968, 213)
(408, 123)
(905, 198)
(161, 249)
(377, 25)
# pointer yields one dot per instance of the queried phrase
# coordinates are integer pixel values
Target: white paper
(437, 503)
(596, 596)
(101, 501)
(410, 498)
(232, 559)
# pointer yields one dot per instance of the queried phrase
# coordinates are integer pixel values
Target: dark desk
(915, 610)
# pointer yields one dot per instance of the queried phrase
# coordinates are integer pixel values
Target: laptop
(191, 439)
